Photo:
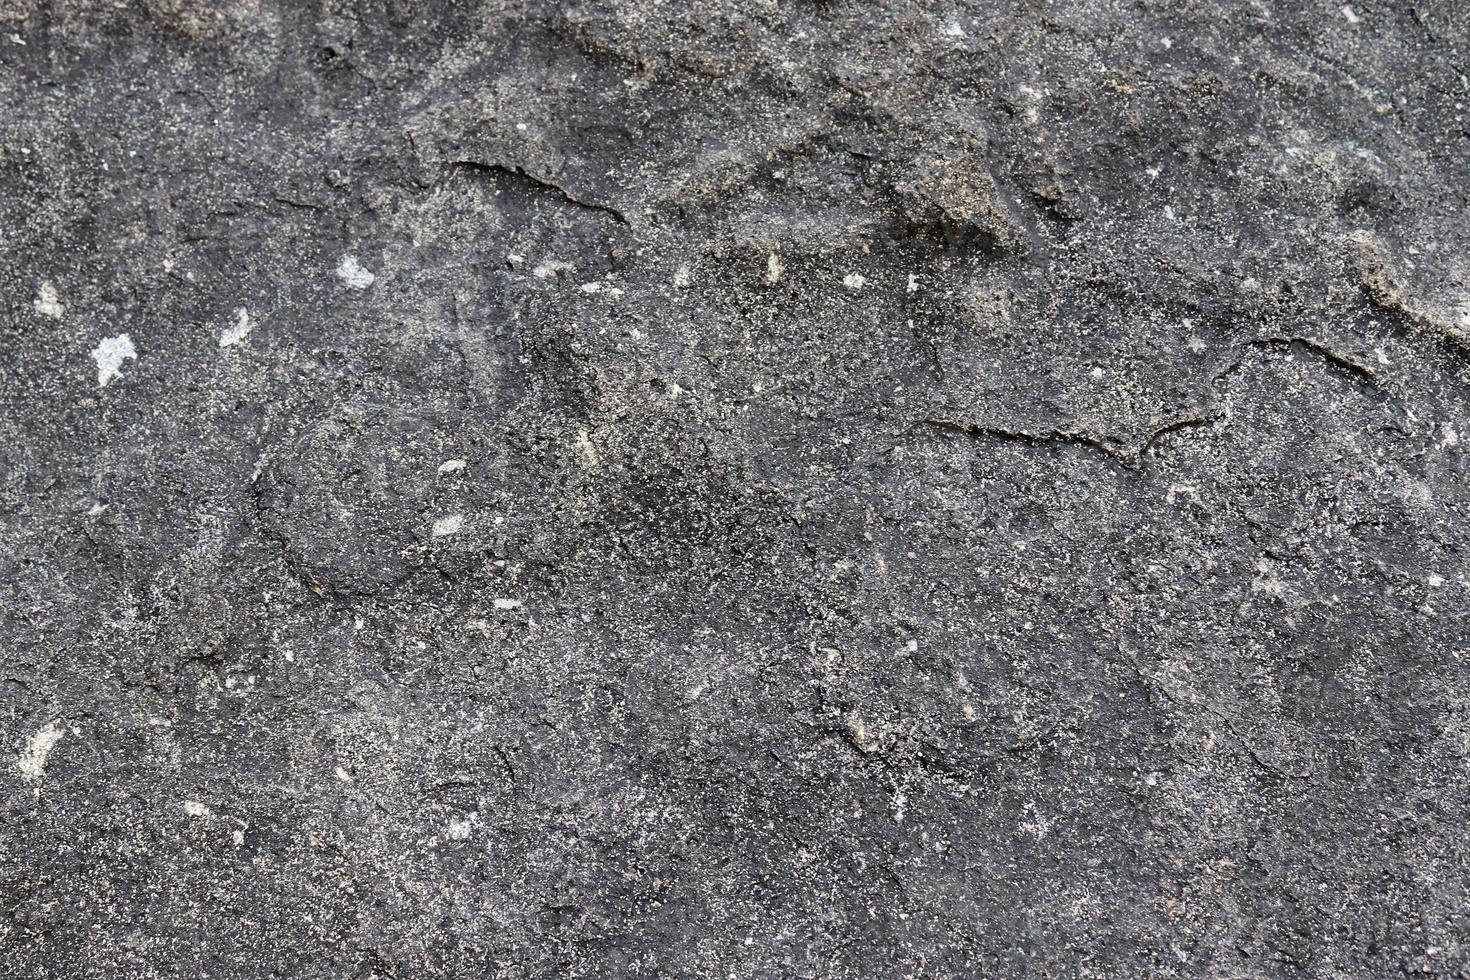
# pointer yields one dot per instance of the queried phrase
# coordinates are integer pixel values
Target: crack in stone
(529, 179)
(1383, 287)
(1130, 459)
(1292, 342)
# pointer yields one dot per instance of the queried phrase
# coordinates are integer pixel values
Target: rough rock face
(712, 489)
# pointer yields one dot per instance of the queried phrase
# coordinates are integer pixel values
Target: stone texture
(777, 489)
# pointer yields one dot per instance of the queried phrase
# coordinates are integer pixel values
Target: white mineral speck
(599, 287)
(507, 603)
(854, 281)
(446, 526)
(353, 274)
(233, 335)
(451, 466)
(196, 809)
(110, 354)
(32, 761)
(774, 268)
(48, 302)
(550, 268)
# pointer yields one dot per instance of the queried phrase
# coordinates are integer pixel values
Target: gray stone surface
(713, 489)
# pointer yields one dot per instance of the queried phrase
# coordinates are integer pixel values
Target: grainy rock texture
(714, 489)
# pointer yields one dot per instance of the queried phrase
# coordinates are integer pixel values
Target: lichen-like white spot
(598, 287)
(353, 274)
(507, 604)
(953, 29)
(854, 281)
(1266, 581)
(48, 302)
(913, 285)
(451, 466)
(110, 354)
(683, 276)
(230, 336)
(550, 268)
(585, 444)
(446, 526)
(862, 737)
(900, 807)
(196, 809)
(460, 829)
(1435, 581)
(32, 761)
(774, 268)
(1351, 15)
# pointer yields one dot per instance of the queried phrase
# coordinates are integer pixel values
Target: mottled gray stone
(786, 489)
